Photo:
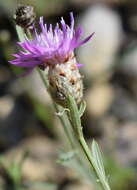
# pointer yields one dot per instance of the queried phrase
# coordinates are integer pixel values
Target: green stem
(43, 78)
(63, 118)
(66, 126)
(87, 152)
(76, 123)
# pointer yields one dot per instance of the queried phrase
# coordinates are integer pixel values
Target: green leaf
(97, 155)
(69, 160)
(15, 172)
(98, 164)
(65, 157)
(82, 108)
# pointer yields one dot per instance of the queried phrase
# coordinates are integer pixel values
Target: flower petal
(85, 40)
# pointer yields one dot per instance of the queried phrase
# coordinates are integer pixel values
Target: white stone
(6, 106)
(98, 55)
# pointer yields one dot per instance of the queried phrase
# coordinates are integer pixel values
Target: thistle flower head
(51, 46)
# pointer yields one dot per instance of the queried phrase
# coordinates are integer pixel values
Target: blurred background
(31, 136)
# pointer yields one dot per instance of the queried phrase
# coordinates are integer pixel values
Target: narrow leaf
(65, 157)
(98, 164)
(97, 155)
(82, 108)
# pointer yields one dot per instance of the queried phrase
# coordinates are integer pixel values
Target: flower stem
(74, 118)
(67, 129)
(43, 78)
(76, 124)
(66, 125)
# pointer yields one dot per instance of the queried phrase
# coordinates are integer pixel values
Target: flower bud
(64, 80)
(25, 16)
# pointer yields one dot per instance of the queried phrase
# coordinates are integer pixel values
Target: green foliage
(120, 177)
(82, 108)
(71, 160)
(98, 164)
(65, 157)
(13, 171)
(97, 157)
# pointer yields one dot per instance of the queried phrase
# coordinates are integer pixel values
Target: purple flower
(50, 46)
